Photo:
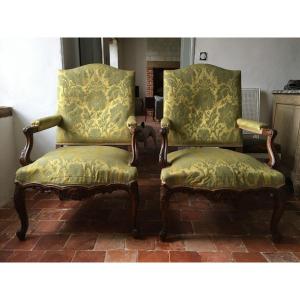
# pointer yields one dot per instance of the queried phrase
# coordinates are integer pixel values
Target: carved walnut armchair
(202, 114)
(95, 109)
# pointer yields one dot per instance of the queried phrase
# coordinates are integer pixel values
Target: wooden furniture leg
(19, 200)
(164, 206)
(134, 197)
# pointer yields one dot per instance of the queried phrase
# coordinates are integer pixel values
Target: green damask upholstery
(80, 165)
(95, 102)
(47, 122)
(250, 125)
(215, 168)
(202, 107)
(203, 103)
(95, 107)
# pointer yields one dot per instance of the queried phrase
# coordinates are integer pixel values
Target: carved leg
(164, 205)
(134, 197)
(19, 199)
(279, 205)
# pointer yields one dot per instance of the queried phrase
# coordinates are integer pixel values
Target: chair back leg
(164, 207)
(134, 198)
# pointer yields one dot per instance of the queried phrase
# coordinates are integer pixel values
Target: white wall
(266, 63)
(28, 83)
(135, 52)
(133, 57)
(7, 160)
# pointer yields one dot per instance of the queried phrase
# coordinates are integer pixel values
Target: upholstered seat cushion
(82, 165)
(216, 168)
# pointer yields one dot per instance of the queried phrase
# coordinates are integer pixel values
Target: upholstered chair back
(95, 102)
(203, 103)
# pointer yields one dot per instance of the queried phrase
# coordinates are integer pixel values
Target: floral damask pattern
(83, 165)
(95, 102)
(203, 103)
(215, 168)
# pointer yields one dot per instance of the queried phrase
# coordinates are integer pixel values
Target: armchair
(95, 110)
(202, 109)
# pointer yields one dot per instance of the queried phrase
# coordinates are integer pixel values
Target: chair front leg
(279, 206)
(20, 206)
(134, 198)
(164, 206)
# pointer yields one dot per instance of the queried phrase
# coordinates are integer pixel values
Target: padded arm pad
(131, 122)
(252, 126)
(47, 122)
(165, 123)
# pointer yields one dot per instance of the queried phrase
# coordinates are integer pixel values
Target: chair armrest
(47, 122)
(131, 122)
(36, 126)
(252, 126)
(132, 126)
(165, 125)
(262, 129)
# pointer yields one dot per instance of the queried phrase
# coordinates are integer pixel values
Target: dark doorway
(158, 81)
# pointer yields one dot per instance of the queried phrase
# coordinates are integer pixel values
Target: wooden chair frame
(72, 191)
(278, 194)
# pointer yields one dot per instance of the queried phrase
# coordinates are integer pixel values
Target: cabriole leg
(19, 200)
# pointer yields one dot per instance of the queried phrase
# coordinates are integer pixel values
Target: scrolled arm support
(272, 153)
(25, 154)
(164, 147)
(261, 129)
(36, 126)
(132, 126)
(165, 126)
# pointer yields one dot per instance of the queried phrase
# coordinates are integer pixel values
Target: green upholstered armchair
(95, 109)
(202, 110)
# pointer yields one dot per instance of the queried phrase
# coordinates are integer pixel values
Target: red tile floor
(97, 229)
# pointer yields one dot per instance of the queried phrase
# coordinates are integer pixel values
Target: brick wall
(149, 87)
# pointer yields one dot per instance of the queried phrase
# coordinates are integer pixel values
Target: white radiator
(251, 105)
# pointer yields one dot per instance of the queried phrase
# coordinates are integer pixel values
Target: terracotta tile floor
(98, 229)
